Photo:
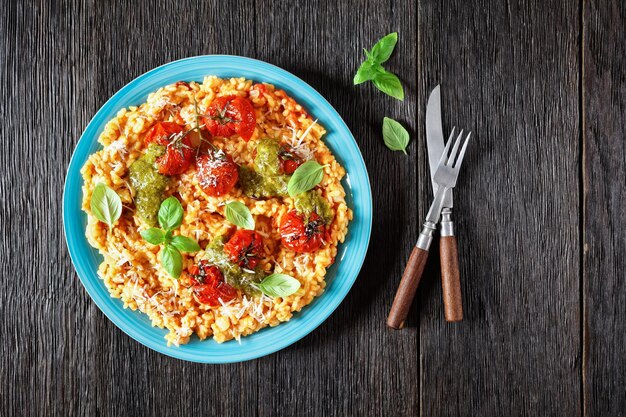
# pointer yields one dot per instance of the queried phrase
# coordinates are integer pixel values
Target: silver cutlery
(448, 250)
(445, 178)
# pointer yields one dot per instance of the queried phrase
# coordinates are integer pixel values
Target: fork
(445, 177)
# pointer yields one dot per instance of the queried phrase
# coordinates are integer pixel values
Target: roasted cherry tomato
(209, 285)
(300, 234)
(229, 115)
(289, 160)
(179, 151)
(161, 132)
(244, 248)
(217, 173)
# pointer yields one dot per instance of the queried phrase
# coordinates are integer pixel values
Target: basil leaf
(279, 285)
(367, 72)
(172, 260)
(307, 176)
(238, 214)
(105, 204)
(185, 244)
(395, 135)
(389, 84)
(372, 70)
(383, 48)
(153, 235)
(170, 213)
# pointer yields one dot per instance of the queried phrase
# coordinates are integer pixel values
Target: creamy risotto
(231, 208)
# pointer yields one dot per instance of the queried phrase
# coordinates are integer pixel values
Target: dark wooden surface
(509, 72)
(539, 209)
(604, 198)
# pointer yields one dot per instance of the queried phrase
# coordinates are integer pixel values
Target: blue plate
(340, 276)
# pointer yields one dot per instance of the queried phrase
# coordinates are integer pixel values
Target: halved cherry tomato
(244, 248)
(209, 285)
(179, 151)
(300, 235)
(161, 132)
(229, 115)
(289, 160)
(217, 173)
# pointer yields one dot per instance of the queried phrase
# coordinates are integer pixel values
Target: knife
(448, 250)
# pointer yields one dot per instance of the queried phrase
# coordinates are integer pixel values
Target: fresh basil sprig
(238, 214)
(170, 214)
(395, 135)
(383, 49)
(105, 204)
(389, 84)
(367, 72)
(172, 260)
(307, 176)
(184, 244)
(170, 218)
(372, 70)
(279, 285)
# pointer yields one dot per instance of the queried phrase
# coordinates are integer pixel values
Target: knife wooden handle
(450, 279)
(406, 291)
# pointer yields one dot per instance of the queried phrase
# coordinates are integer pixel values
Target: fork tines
(449, 160)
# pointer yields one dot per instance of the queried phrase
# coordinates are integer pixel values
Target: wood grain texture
(406, 289)
(59, 355)
(450, 279)
(509, 73)
(605, 207)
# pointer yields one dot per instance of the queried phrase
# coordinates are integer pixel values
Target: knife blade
(435, 141)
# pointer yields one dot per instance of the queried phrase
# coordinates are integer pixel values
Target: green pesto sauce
(256, 185)
(265, 180)
(309, 202)
(234, 275)
(149, 184)
(266, 161)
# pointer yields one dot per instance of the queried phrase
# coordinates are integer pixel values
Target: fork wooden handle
(450, 279)
(406, 291)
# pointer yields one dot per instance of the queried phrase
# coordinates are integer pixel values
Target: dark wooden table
(540, 209)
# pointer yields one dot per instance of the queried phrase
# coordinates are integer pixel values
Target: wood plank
(59, 355)
(604, 289)
(509, 73)
(63, 356)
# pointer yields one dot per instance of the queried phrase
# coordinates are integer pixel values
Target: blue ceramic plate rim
(340, 276)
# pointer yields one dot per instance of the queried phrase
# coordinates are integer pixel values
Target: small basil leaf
(171, 260)
(307, 176)
(105, 204)
(238, 214)
(185, 244)
(395, 135)
(170, 213)
(383, 48)
(389, 84)
(153, 235)
(367, 72)
(279, 285)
